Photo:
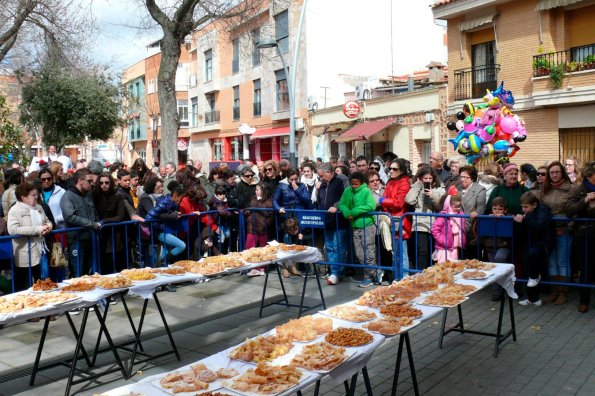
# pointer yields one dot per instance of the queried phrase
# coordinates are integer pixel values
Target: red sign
(351, 109)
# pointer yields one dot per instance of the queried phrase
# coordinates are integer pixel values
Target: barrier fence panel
(116, 246)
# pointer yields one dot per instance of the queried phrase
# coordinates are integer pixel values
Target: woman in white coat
(27, 218)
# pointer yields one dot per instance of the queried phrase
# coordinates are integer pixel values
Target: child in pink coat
(449, 232)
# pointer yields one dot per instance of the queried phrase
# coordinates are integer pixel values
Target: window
(255, 52)
(282, 91)
(211, 115)
(194, 112)
(236, 148)
(151, 87)
(183, 112)
(256, 105)
(142, 154)
(137, 90)
(217, 150)
(236, 102)
(282, 31)
(484, 67)
(208, 65)
(235, 62)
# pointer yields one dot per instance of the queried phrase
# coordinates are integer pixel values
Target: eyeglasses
(268, 169)
(540, 173)
(464, 177)
(90, 181)
(375, 168)
(43, 179)
(248, 176)
(394, 169)
(104, 183)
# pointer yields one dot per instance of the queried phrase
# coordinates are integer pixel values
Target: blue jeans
(401, 251)
(335, 244)
(170, 241)
(559, 259)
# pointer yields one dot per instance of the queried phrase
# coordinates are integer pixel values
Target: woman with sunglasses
(110, 209)
(272, 174)
(539, 179)
(394, 203)
(51, 194)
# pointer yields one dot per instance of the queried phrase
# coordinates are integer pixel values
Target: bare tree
(177, 22)
(28, 26)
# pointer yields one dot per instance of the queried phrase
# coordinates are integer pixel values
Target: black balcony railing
(472, 82)
(573, 60)
(256, 109)
(211, 117)
(236, 112)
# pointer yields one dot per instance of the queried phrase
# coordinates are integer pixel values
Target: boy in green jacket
(356, 203)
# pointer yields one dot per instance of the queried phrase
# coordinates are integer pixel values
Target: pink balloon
(508, 125)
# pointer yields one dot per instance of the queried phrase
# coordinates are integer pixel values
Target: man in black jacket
(329, 192)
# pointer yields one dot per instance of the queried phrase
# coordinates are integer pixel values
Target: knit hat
(509, 167)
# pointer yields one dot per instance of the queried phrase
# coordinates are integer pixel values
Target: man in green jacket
(356, 203)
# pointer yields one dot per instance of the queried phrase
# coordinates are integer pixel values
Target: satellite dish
(246, 129)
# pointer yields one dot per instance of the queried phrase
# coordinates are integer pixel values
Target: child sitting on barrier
(449, 232)
(537, 240)
(258, 222)
(356, 204)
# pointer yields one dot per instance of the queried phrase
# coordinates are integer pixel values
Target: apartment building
(544, 51)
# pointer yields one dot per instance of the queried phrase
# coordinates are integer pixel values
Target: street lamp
(270, 43)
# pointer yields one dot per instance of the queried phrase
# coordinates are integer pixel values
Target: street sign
(351, 109)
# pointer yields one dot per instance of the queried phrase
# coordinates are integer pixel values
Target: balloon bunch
(490, 129)
(9, 158)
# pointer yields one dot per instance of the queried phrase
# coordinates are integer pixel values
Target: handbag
(57, 258)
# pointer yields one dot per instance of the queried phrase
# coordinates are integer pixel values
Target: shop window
(217, 150)
(282, 91)
(237, 148)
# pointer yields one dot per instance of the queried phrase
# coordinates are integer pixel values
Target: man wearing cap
(511, 190)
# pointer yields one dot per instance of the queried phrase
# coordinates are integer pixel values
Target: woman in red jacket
(394, 203)
(193, 202)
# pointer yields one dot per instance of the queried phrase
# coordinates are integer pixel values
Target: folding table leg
(353, 384)
(167, 330)
(110, 342)
(367, 381)
(411, 365)
(76, 334)
(303, 294)
(264, 291)
(442, 326)
(512, 324)
(44, 332)
(282, 284)
(499, 328)
(319, 287)
(100, 335)
(461, 324)
(317, 388)
(137, 338)
(125, 304)
(77, 349)
(398, 364)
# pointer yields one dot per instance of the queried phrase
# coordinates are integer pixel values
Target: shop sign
(351, 109)
(182, 144)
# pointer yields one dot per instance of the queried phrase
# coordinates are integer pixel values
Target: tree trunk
(168, 107)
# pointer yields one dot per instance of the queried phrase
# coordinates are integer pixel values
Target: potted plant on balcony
(589, 62)
(541, 66)
(557, 75)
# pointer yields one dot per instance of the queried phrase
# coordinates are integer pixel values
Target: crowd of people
(363, 201)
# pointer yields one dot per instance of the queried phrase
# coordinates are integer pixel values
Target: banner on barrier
(311, 220)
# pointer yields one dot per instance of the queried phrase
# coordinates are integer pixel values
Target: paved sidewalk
(554, 354)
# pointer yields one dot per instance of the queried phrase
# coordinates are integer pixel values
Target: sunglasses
(248, 176)
(540, 173)
(45, 179)
(375, 168)
(268, 169)
(90, 181)
(104, 183)
(394, 169)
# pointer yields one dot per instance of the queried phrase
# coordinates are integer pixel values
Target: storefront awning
(474, 23)
(364, 130)
(544, 5)
(268, 133)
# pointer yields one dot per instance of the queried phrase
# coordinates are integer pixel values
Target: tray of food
(478, 265)
(456, 288)
(350, 313)
(262, 349)
(321, 357)
(138, 275)
(390, 326)
(44, 286)
(398, 311)
(304, 329)
(263, 254)
(349, 337)
(169, 271)
(89, 278)
(113, 282)
(475, 275)
(444, 300)
(80, 286)
(196, 378)
(265, 379)
(292, 248)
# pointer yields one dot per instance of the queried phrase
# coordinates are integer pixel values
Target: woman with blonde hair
(272, 174)
(572, 165)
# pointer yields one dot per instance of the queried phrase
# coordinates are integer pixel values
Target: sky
(416, 38)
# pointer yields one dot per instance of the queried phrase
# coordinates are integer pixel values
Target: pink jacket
(444, 234)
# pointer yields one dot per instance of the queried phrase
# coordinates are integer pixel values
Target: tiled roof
(442, 2)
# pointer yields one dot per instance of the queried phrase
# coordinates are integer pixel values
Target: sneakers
(533, 282)
(255, 272)
(378, 277)
(366, 283)
(526, 302)
(332, 280)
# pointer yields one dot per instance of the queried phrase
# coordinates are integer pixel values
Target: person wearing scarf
(309, 178)
(556, 191)
(28, 219)
(511, 190)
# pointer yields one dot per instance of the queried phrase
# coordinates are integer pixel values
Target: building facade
(544, 51)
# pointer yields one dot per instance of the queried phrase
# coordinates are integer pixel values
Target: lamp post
(270, 43)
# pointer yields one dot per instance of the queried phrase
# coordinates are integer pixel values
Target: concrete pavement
(554, 354)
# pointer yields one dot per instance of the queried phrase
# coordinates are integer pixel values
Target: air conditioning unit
(362, 92)
(429, 117)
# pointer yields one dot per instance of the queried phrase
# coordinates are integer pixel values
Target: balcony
(211, 117)
(472, 82)
(573, 60)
